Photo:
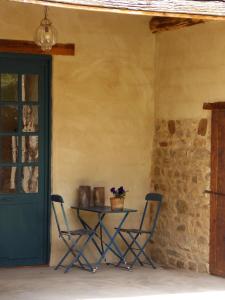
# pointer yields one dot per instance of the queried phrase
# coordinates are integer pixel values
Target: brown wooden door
(217, 214)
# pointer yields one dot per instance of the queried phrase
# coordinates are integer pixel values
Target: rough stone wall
(181, 172)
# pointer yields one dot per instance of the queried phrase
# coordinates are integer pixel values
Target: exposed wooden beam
(18, 46)
(215, 105)
(195, 9)
(159, 24)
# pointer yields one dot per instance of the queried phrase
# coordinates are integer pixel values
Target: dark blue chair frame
(71, 239)
(130, 236)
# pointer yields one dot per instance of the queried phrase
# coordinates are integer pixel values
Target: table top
(104, 209)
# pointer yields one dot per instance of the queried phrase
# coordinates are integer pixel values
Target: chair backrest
(152, 198)
(59, 199)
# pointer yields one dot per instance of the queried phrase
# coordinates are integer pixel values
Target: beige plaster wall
(190, 70)
(103, 109)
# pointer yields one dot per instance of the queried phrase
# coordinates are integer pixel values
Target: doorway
(24, 159)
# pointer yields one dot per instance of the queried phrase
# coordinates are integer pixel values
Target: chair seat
(132, 230)
(78, 232)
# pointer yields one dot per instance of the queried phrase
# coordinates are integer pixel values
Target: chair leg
(128, 246)
(143, 252)
(70, 250)
(90, 267)
(151, 262)
(80, 254)
(128, 249)
(148, 258)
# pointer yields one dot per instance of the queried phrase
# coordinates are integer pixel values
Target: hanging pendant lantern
(46, 34)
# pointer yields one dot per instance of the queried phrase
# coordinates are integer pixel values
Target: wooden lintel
(159, 24)
(194, 9)
(215, 105)
(18, 46)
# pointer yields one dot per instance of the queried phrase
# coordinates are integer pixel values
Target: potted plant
(117, 201)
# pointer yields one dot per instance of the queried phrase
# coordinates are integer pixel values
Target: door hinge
(214, 193)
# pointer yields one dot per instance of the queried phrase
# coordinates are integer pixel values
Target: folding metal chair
(71, 239)
(130, 236)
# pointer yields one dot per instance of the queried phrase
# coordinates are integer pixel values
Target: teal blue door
(24, 159)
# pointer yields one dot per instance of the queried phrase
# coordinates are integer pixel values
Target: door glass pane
(8, 118)
(30, 179)
(9, 87)
(29, 148)
(8, 180)
(30, 118)
(29, 87)
(8, 149)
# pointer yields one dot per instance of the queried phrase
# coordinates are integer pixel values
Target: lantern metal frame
(46, 34)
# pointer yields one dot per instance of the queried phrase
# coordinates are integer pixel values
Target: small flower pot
(117, 203)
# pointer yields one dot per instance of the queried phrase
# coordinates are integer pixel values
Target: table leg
(112, 242)
(99, 236)
(86, 226)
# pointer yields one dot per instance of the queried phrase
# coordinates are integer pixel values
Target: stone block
(180, 264)
(181, 228)
(181, 207)
(172, 261)
(172, 253)
(202, 240)
(202, 127)
(202, 268)
(163, 144)
(192, 266)
(171, 126)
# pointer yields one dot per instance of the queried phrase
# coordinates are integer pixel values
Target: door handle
(214, 193)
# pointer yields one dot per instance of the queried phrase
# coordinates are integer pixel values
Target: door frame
(47, 134)
(214, 193)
